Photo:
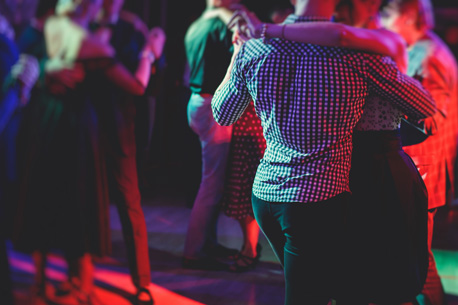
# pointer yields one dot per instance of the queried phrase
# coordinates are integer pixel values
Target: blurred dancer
(208, 44)
(64, 198)
(14, 84)
(127, 35)
(430, 61)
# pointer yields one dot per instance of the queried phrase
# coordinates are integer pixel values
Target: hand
(247, 23)
(430, 126)
(238, 40)
(155, 41)
(60, 81)
(26, 70)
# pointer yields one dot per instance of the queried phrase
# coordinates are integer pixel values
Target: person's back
(309, 98)
(208, 44)
(208, 49)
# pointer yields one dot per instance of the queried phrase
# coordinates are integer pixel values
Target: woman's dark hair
(44, 7)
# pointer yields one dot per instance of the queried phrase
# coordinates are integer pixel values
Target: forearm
(321, 33)
(403, 91)
(228, 104)
(416, 100)
(408, 95)
(230, 99)
(133, 83)
(337, 35)
(143, 72)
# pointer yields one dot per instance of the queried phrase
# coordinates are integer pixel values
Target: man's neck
(314, 8)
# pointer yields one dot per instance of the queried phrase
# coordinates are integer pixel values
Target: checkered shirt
(309, 98)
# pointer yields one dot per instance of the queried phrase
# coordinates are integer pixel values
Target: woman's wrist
(269, 30)
(148, 54)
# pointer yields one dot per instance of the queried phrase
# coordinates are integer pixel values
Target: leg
(86, 274)
(433, 291)
(313, 235)
(39, 260)
(248, 258)
(65, 288)
(215, 142)
(6, 289)
(250, 230)
(128, 201)
(269, 226)
(38, 292)
(83, 283)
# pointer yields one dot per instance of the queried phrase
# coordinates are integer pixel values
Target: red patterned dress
(247, 148)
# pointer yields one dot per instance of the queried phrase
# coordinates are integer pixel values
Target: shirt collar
(295, 19)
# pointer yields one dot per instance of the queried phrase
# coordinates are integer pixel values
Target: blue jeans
(306, 237)
(215, 142)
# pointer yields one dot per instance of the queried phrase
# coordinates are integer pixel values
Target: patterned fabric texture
(247, 148)
(309, 98)
(379, 114)
(433, 64)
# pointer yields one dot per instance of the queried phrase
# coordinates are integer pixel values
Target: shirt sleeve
(403, 91)
(231, 100)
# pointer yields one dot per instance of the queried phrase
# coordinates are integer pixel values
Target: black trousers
(306, 237)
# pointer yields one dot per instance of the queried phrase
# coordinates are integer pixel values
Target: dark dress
(63, 200)
(247, 148)
(387, 221)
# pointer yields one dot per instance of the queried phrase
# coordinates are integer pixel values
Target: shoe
(220, 251)
(38, 300)
(206, 263)
(149, 301)
(85, 298)
(39, 294)
(243, 263)
(64, 288)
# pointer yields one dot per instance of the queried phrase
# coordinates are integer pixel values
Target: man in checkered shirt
(308, 98)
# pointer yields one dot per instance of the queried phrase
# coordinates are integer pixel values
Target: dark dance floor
(167, 219)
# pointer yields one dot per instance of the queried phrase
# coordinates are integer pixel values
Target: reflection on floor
(167, 219)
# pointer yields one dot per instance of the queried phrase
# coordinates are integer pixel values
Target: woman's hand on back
(155, 41)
